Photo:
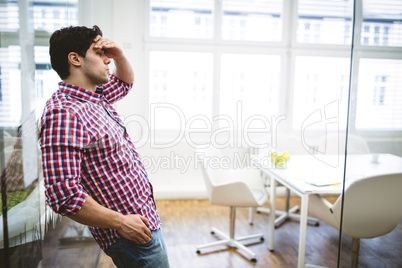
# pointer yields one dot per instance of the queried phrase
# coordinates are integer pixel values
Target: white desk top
(301, 170)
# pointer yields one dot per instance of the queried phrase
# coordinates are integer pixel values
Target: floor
(187, 223)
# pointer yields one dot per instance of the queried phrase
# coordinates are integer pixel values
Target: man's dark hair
(70, 39)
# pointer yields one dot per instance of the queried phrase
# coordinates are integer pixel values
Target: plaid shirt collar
(80, 93)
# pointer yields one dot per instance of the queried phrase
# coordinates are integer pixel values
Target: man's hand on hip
(134, 227)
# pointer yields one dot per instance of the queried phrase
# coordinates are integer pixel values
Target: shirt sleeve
(62, 140)
(116, 89)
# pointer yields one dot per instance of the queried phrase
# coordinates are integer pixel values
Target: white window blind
(46, 79)
(382, 23)
(252, 21)
(48, 15)
(181, 19)
(324, 22)
(9, 17)
(379, 95)
(10, 87)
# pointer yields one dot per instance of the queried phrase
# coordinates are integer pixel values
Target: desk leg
(272, 199)
(303, 230)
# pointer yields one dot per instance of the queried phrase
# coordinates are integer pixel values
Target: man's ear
(74, 59)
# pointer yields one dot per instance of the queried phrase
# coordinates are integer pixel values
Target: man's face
(95, 66)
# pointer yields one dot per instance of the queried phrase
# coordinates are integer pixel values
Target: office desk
(301, 169)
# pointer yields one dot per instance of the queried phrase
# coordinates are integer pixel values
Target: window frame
(363, 52)
(288, 49)
(217, 46)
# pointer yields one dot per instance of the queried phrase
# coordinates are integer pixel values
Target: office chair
(368, 210)
(230, 187)
(293, 145)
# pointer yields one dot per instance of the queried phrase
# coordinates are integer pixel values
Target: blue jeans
(153, 254)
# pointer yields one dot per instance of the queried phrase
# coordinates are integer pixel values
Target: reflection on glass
(381, 25)
(10, 89)
(372, 216)
(9, 16)
(48, 15)
(252, 21)
(21, 191)
(324, 22)
(21, 238)
(181, 19)
(181, 83)
(46, 79)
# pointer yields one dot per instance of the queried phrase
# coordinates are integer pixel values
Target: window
(10, 79)
(253, 67)
(324, 22)
(9, 17)
(212, 82)
(379, 65)
(379, 99)
(180, 85)
(250, 83)
(382, 23)
(48, 15)
(320, 81)
(10, 102)
(252, 21)
(46, 79)
(181, 19)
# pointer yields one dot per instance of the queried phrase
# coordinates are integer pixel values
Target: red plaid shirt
(86, 151)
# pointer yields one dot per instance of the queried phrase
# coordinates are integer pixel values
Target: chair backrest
(228, 186)
(207, 159)
(372, 206)
(335, 144)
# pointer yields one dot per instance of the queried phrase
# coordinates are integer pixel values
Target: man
(91, 169)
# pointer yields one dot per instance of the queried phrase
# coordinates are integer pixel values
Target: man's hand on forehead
(111, 49)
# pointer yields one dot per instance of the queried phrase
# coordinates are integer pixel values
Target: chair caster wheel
(212, 232)
(254, 260)
(198, 251)
(262, 239)
(251, 223)
(317, 224)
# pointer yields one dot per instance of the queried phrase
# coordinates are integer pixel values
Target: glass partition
(320, 94)
(25, 28)
(22, 209)
(371, 230)
(362, 138)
